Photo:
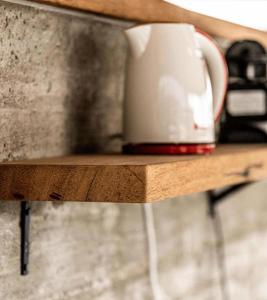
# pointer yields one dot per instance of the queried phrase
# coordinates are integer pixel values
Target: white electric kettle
(175, 87)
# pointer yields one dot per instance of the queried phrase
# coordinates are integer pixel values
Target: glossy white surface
(168, 97)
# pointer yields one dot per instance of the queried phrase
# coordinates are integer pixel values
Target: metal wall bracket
(215, 197)
(25, 210)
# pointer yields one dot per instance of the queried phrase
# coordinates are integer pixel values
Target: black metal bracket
(215, 197)
(25, 211)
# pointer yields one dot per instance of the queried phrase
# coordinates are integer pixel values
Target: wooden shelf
(150, 11)
(130, 179)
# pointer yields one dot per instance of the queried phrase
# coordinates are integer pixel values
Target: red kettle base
(168, 149)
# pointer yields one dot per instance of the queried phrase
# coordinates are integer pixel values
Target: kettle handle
(217, 69)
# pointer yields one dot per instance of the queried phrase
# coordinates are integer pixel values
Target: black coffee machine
(244, 119)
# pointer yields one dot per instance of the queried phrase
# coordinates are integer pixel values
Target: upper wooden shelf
(130, 179)
(150, 11)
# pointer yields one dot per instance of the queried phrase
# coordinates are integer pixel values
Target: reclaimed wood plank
(130, 179)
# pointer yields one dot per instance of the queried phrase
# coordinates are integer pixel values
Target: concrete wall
(61, 92)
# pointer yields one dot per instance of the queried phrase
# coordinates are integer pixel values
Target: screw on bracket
(24, 236)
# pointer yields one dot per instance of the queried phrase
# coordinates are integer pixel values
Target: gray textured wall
(61, 91)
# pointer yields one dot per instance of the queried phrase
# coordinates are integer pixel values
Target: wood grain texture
(150, 11)
(129, 179)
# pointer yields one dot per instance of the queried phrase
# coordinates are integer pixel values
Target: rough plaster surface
(59, 77)
(61, 91)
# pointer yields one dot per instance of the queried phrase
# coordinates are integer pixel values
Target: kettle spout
(138, 38)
